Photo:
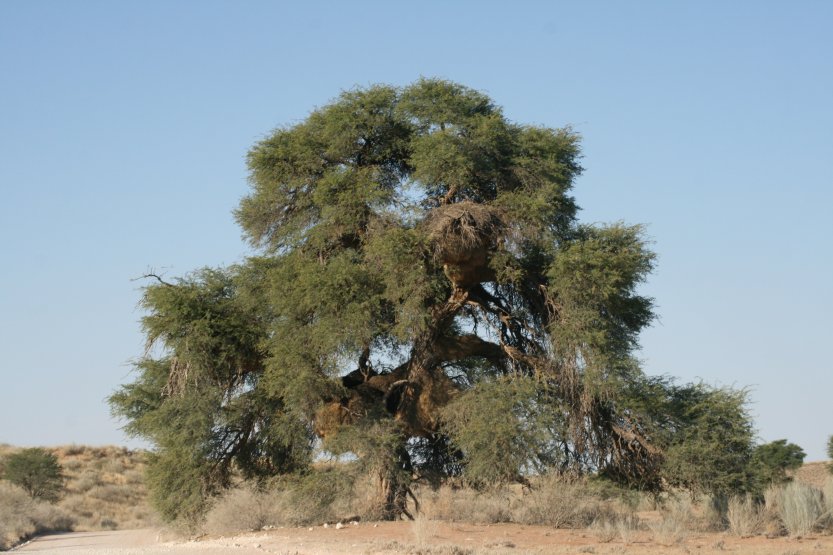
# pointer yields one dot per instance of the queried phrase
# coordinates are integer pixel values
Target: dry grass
(677, 522)
(21, 516)
(623, 527)
(745, 517)
(802, 509)
(466, 505)
(551, 502)
(105, 487)
(322, 496)
(243, 510)
(424, 530)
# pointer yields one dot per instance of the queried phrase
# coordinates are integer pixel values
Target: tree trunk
(393, 488)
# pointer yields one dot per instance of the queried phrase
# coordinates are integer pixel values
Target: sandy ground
(423, 538)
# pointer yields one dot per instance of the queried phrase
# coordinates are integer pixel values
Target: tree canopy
(37, 471)
(424, 298)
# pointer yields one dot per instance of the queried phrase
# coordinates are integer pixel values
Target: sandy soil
(422, 538)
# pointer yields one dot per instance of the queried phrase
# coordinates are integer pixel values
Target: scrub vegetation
(100, 488)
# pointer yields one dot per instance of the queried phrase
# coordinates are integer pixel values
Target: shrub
(677, 519)
(36, 471)
(21, 515)
(711, 450)
(561, 504)
(744, 516)
(424, 530)
(771, 461)
(243, 510)
(801, 508)
(467, 505)
(111, 493)
(830, 452)
(622, 526)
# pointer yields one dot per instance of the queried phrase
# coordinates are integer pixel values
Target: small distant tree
(37, 471)
(710, 440)
(830, 452)
(771, 461)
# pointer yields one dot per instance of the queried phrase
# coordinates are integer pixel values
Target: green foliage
(504, 428)
(771, 461)
(710, 440)
(424, 300)
(202, 403)
(37, 471)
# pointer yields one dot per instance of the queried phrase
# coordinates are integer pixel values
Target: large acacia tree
(424, 298)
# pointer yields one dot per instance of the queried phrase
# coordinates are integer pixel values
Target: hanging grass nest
(463, 236)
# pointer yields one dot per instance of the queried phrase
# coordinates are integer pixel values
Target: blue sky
(124, 129)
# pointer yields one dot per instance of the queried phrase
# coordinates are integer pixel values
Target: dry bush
(112, 493)
(71, 450)
(621, 526)
(15, 508)
(323, 495)
(71, 465)
(22, 516)
(134, 477)
(242, 510)
(423, 529)
(553, 502)
(801, 508)
(745, 517)
(563, 504)
(677, 520)
(828, 495)
(466, 505)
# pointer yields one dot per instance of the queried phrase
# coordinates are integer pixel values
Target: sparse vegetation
(99, 481)
(103, 489)
(22, 515)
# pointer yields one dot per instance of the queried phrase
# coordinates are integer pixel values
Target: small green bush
(37, 471)
(771, 461)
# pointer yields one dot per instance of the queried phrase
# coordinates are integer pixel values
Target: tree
(771, 461)
(709, 441)
(37, 471)
(830, 451)
(424, 299)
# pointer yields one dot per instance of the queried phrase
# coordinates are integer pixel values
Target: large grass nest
(463, 230)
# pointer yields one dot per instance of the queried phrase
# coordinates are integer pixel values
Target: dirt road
(133, 542)
(428, 538)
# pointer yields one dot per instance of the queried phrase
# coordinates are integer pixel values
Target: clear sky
(124, 128)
